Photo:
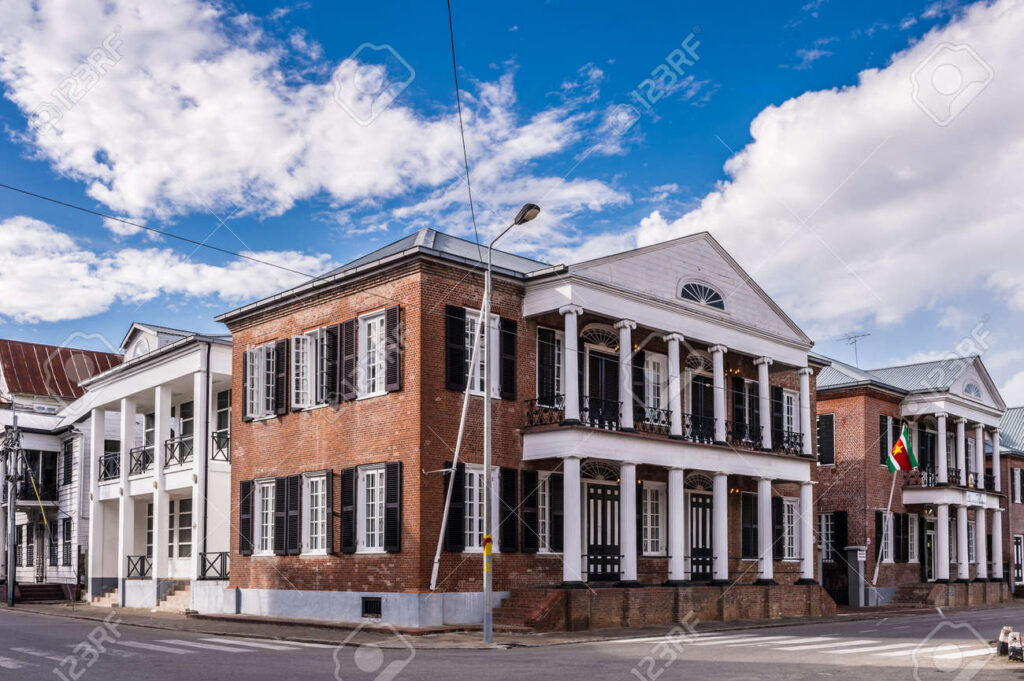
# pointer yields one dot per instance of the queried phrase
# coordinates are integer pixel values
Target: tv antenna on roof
(851, 339)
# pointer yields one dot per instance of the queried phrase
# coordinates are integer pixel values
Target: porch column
(942, 455)
(963, 570)
(675, 387)
(979, 453)
(997, 471)
(961, 450)
(200, 443)
(720, 527)
(997, 545)
(97, 434)
(126, 516)
(625, 328)
(676, 527)
(806, 533)
(627, 524)
(718, 361)
(161, 433)
(765, 546)
(764, 399)
(572, 539)
(3, 519)
(981, 544)
(570, 365)
(942, 543)
(805, 410)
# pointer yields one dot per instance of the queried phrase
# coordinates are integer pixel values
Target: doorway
(701, 545)
(602, 532)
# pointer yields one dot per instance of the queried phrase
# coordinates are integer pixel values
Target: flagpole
(888, 512)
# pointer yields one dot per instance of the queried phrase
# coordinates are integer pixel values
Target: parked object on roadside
(1014, 649)
(1004, 636)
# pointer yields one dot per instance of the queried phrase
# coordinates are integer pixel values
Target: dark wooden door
(1018, 559)
(602, 533)
(602, 402)
(701, 546)
(702, 408)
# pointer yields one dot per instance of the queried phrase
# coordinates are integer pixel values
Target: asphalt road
(952, 647)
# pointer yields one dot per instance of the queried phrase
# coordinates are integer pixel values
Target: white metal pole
(888, 512)
(488, 543)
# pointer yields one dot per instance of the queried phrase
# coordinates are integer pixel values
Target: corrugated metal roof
(840, 375)
(1011, 430)
(34, 369)
(934, 375)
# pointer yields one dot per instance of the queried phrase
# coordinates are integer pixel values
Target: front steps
(108, 600)
(528, 609)
(178, 599)
(40, 593)
(912, 595)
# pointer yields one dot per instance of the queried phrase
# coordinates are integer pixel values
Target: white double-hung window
(543, 512)
(314, 540)
(370, 510)
(265, 518)
(790, 407)
(260, 369)
(656, 381)
(653, 519)
(372, 354)
(826, 536)
(790, 529)
(309, 369)
(475, 371)
(912, 532)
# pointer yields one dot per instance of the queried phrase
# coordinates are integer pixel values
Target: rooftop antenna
(851, 339)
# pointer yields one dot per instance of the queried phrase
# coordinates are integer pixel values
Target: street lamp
(528, 212)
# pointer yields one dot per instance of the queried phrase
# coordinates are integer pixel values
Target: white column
(764, 399)
(570, 364)
(963, 571)
(961, 450)
(807, 532)
(676, 526)
(126, 515)
(720, 527)
(997, 545)
(627, 522)
(765, 546)
(805, 410)
(718, 361)
(980, 544)
(675, 386)
(943, 456)
(97, 434)
(997, 471)
(572, 540)
(979, 453)
(626, 397)
(200, 443)
(3, 519)
(161, 433)
(942, 542)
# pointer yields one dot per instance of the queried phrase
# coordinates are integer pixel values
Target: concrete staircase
(40, 593)
(529, 609)
(178, 599)
(912, 595)
(108, 600)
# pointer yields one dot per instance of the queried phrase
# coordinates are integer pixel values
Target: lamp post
(528, 212)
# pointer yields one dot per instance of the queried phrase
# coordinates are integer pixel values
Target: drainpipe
(206, 459)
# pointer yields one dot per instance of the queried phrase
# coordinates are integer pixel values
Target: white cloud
(1013, 390)
(57, 279)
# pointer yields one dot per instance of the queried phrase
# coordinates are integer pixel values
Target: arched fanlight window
(702, 294)
(698, 482)
(600, 334)
(697, 361)
(972, 390)
(599, 470)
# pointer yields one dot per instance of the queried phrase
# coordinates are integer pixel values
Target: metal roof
(1011, 430)
(841, 375)
(34, 369)
(934, 375)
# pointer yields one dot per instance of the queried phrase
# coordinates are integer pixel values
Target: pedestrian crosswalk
(836, 645)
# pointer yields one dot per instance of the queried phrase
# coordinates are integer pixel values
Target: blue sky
(795, 136)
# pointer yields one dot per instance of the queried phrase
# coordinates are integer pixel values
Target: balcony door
(702, 408)
(600, 404)
(602, 519)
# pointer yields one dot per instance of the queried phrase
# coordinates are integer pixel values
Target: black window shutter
(529, 512)
(246, 416)
(883, 439)
(557, 492)
(333, 350)
(639, 401)
(826, 439)
(393, 349)
(293, 533)
(905, 537)
(739, 401)
(507, 361)
(839, 536)
(879, 525)
(455, 348)
(748, 521)
(69, 449)
(754, 407)
(245, 517)
(393, 507)
(455, 527)
(921, 539)
(779, 530)
(508, 502)
(349, 358)
(777, 415)
(897, 537)
(897, 429)
(348, 510)
(545, 366)
(280, 515)
(281, 376)
(329, 512)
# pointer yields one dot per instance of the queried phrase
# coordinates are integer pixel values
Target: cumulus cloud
(57, 279)
(1013, 390)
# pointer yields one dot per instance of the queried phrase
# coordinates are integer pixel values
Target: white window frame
(826, 535)
(654, 491)
(259, 398)
(972, 552)
(887, 545)
(474, 517)
(314, 489)
(544, 513)
(559, 350)
(913, 531)
(372, 365)
(313, 366)
(475, 374)
(263, 541)
(176, 527)
(791, 411)
(790, 528)
(370, 539)
(954, 543)
(1015, 484)
(656, 381)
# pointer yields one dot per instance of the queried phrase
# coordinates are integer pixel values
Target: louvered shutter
(393, 507)
(779, 529)
(293, 533)
(557, 491)
(839, 536)
(530, 512)
(508, 503)
(778, 413)
(455, 527)
(393, 349)
(348, 510)
(455, 347)
(739, 403)
(281, 377)
(883, 439)
(329, 514)
(897, 537)
(826, 439)
(546, 366)
(507, 361)
(639, 399)
(922, 539)
(246, 416)
(879, 534)
(245, 488)
(280, 515)
(349, 359)
(333, 364)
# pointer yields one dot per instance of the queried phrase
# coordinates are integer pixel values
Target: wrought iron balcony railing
(789, 443)
(990, 482)
(178, 452)
(600, 413)
(140, 460)
(139, 567)
(24, 491)
(743, 434)
(651, 420)
(698, 428)
(545, 410)
(953, 475)
(921, 477)
(213, 565)
(221, 446)
(110, 466)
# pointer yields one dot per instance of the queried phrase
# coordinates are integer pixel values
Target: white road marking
(40, 653)
(834, 643)
(764, 640)
(254, 644)
(154, 647)
(966, 653)
(922, 651)
(871, 649)
(205, 646)
(731, 639)
(310, 645)
(10, 663)
(809, 639)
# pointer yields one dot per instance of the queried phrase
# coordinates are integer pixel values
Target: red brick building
(945, 539)
(1011, 437)
(651, 419)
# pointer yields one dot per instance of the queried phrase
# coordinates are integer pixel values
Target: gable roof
(934, 375)
(1011, 430)
(151, 327)
(48, 370)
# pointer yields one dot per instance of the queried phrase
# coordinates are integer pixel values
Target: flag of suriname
(902, 458)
